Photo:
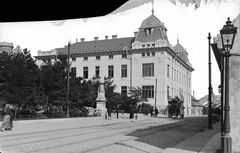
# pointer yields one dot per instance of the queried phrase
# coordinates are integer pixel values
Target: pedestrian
(151, 111)
(12, 116)
(6, 124)
(156, 111)
(131, 113)
(117, 110)
(109, 113)
(136, 113)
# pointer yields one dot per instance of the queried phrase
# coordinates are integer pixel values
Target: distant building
(6, 47)
(147, 60)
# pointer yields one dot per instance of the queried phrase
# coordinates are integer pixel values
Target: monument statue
(101, 99)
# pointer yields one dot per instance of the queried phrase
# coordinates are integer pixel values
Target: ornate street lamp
(210, 84)
(228, 33)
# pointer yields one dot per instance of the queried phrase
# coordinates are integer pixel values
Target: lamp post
(227, 36)
(210, 85)
(68, 67)
(220, 90)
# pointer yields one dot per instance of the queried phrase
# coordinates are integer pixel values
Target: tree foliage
(20, 76)
(23, 83)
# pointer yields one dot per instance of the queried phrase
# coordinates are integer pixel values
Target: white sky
(192, 25)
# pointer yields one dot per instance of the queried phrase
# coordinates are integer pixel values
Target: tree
(113, 98)
(20, 76)
(54, 80)
(132, 100)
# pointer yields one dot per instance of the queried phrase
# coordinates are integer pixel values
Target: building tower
(152, 33)
(6, 47)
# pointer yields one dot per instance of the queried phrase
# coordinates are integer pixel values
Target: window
(177, 76)
(148, 69)
(97, 71)
(73, 72)
(148, 31)
(74, 59)
(153, 53)
(143, 46)
(168, 92)
(110, 56)
(168, 67)
(180, 78)
(124, 90)
(148, 53)
(143, 54)
(44, 61)
(85, 58)
(148, 91)
(85, 72)
(124, 55)
(153, 45)
(97, 57)
(110, 71)
(172, 73)
(124, 71)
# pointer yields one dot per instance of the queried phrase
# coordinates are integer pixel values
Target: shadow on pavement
(170, 135)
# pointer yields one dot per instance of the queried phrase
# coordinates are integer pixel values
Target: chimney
(106, 37)
(76, 40)
(135, 33)
(95, 38)
(82, 39)
(193, 94)
(114, 36)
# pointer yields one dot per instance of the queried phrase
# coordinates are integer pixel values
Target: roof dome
(151, 21)
(179, 48)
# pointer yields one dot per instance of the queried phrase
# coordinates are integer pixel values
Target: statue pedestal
(101, 106)
(101, 101)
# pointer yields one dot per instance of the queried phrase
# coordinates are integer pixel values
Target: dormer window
(148, 31)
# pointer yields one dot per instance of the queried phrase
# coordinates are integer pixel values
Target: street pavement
(98, 135)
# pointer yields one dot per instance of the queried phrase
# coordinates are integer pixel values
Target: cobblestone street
(98, 135)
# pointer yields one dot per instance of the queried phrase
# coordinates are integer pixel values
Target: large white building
(146, 60)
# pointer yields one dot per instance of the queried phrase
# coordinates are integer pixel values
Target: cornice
(119, 52)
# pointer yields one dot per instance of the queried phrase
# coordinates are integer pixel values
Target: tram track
(123, 128)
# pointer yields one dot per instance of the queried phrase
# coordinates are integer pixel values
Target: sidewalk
(208, 141)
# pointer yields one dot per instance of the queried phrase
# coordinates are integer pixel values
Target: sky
(184, 21)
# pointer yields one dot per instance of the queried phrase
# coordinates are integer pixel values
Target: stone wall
(234, 89)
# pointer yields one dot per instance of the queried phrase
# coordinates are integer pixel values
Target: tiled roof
(151, 21)
(142, 37)
(182, 53)
(98, 45)
(179, 48)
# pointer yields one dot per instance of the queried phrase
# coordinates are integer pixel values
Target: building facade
(146, 60)
(6, 47)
